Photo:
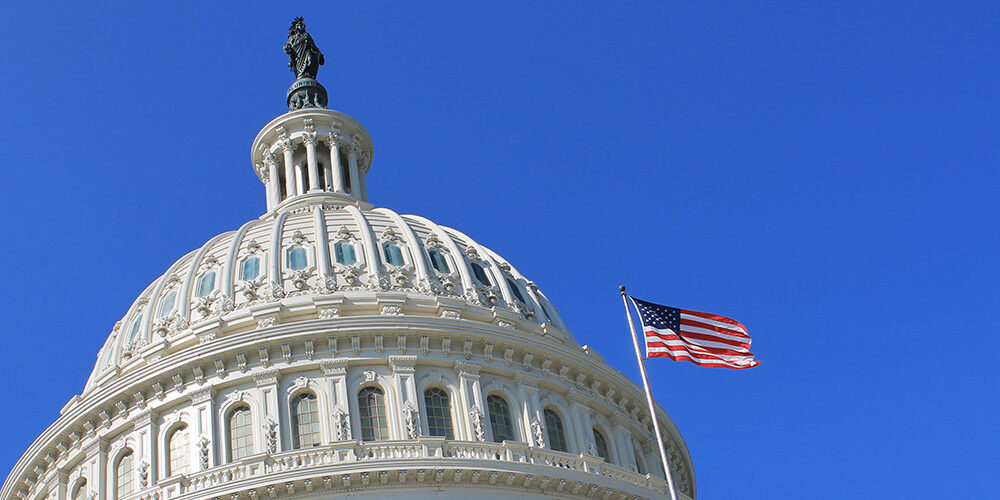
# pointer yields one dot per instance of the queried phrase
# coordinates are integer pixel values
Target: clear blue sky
(824, 174)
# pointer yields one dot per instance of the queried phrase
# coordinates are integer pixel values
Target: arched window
(177, 451)
(439, 261)
(167, 304)
(297, 258)
(516, 291)
(344, 253)
(640, 465)
(500, 422)
(480, 274)
(601, 445)
(393, 254)
(240, 433)
(555, 430)
(371, 409)
(206, 283)
(250, 268)
(305, 421)
(80, 491)
(438, 407)
(123, 475)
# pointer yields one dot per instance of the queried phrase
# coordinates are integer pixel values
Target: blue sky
(826, 174)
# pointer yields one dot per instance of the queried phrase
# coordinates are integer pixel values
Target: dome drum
(312, 152)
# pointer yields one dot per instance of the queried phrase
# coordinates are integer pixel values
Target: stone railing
(349, 457)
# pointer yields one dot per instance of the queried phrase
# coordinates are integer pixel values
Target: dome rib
(323, 242)
(374, 264)
(275, 260)
(185, 295)
(446, 239)
(229, 267)
(410, 236)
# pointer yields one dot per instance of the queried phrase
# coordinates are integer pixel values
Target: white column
(403, 369)
(288, 149)
(531, 413)
(579, 410)
(339, 421)
(622, 440)
(201, 435)
(338, 175)
(300, 185)
(352, 165)
(310, 141)
(366, 163)
(145, 450)
(267, 392)
(470, 398)
(273, 189)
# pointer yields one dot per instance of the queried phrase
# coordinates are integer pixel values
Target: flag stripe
(699, 339)
(700, 362)
(721, 337)
(679, 344)
(717, 329)
(716, 317)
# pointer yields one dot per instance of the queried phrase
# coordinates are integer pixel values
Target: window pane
(439, 262)
(124, 474)
(371, 409)
(500, 422)
(602, 445)
(305, 421)
(297, 258)
(480, 274)
(393, 254)
(206, 284)
(135, 327)
(240, 433)
(178, 450)
(344, 253)
(251, 268)
(167, 304)
(516, 291)
(438, 406)
(554, 427)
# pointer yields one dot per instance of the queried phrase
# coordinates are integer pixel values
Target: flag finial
(621, 288)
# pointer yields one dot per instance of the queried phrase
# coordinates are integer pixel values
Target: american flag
(701, 338)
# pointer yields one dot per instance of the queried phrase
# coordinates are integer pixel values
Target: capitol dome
(330, 348)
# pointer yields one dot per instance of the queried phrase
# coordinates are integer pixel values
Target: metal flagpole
(649, 399)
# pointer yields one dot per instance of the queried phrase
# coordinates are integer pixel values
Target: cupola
(310, 154)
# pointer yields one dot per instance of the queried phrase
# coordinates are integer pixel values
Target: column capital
(467, 369)
(309, 138)
(403, 363)
(287, 145)
(202, 395)
(266, 377)
(334, 367)
(144, 417)
(576, 396)
(525, 380)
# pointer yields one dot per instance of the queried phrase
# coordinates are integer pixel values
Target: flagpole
(649, 399)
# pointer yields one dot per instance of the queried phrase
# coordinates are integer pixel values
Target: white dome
(250, 274)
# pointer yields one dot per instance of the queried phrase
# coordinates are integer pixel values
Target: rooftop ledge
(352, 466)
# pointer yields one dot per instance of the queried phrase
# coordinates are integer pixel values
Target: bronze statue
(304, 58)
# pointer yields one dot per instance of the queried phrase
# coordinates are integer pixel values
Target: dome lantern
(311, 153)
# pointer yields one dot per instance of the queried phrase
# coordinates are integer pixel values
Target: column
(267, 392)
(352, 165)
(202, 433)
(403, 369)
(339, 423)
(622, 440)
(273, 188)
(300, 182)
(337, 174)
(102, 485)
(579, 410)
(366, 161)
(471, 401)
(310, 141)
(288, 149)
(531, 412)
(145, 449)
